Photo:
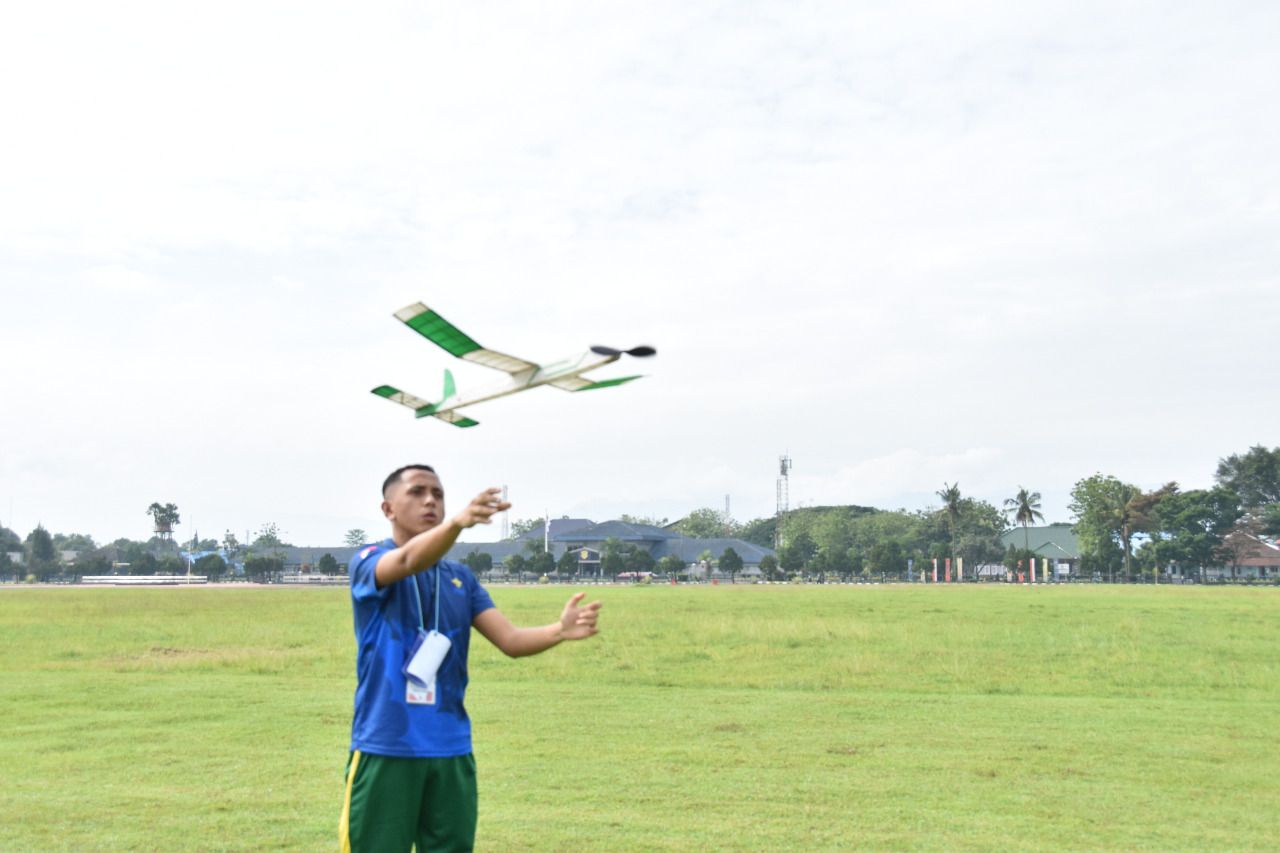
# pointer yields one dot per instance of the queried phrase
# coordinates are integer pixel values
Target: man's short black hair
(394, 477)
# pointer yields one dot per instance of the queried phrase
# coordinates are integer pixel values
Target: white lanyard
(417, 596)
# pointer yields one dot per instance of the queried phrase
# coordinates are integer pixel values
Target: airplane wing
(448, 337)
(570, 383)
(395, 395)
(423, 408)
(454, 417)
(578, 383)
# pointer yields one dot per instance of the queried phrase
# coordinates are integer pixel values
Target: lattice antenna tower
(784, 495)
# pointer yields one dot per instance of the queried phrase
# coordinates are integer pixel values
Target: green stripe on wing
(437, 329)
(607, 383)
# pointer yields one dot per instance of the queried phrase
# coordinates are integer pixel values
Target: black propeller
(640, 351)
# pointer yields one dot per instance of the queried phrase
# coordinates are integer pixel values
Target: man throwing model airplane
(411, 776)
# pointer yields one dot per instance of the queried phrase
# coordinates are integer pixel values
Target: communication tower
(784, 495)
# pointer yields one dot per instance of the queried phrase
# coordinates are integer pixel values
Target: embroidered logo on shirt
(457, 583)
(367, 551)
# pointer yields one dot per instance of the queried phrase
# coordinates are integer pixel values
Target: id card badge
(418, 694)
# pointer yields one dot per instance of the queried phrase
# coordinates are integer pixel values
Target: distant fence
(316, 580)
(145, 580)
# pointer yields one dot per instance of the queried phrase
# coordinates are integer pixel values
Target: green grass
(733, 718)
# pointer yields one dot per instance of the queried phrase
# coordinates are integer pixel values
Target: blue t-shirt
(386, 623)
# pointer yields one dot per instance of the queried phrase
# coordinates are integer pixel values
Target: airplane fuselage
(544, 375)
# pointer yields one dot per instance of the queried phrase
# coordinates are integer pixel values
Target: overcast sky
(1000, 243)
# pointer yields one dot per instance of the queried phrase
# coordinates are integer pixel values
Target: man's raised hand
(578, 623)
(482, 509)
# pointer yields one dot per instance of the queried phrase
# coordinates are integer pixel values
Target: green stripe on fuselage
(442, 333)
(386, 391)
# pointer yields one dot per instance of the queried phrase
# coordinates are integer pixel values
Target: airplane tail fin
(449, 415)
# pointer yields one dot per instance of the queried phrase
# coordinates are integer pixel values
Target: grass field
(728, 718)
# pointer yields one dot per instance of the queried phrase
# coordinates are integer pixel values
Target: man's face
(415, 503)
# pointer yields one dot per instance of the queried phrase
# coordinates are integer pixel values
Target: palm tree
(951, 503)
(1026, 509)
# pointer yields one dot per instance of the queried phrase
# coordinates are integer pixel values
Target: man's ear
(386, 508)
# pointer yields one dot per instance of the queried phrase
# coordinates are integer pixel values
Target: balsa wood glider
(523, 375)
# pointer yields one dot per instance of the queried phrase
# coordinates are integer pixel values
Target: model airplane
(565, 375)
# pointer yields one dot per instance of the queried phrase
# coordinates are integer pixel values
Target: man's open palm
(577, 623)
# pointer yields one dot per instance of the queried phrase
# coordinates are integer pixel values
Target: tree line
(1123, 531)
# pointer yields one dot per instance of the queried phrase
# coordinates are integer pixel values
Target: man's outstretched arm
(425, 550)
(576, 623)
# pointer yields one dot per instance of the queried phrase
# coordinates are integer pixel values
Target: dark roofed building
(578, 534)
(567, 534)
(307, 559)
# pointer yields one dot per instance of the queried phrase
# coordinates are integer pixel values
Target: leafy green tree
(542, 563)
(231, 546)
(769, 565)
(832, 537)
(42, 558)
(671, 566)
(263, 569)
(1102, 524)
(646, 520)
(515, 565)
(568, 563)
(329, 565)
(521, 526)
(355, 537)
(637, 559)
(730, 563)
(1254, 476)
(1136, 514)
(269, 538)
(1270, 520)
(612, 558)
(886, 557)
(760, 531)
(171, 564)
(165, 517)
(856, 562)
(1193, 527)
(95, 562)
(7, 565)
(144, 564)
(478, 561)
(706, 523)
(9, 541)
(213, 566)
(1025, 507)
(77, 542)
(790, 558)
(805, 546)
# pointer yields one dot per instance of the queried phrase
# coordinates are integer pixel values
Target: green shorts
(391, 804)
